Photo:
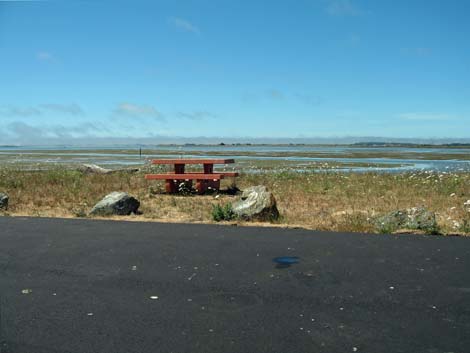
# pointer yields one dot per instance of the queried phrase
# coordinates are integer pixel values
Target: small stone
(134, 268)
(90, 314)
(26, 291)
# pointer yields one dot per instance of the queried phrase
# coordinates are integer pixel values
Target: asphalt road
(79, 286)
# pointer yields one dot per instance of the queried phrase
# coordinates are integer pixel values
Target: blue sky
(313, 68)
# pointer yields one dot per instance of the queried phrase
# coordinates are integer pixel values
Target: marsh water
(250, 158)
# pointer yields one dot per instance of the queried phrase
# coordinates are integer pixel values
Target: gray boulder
(256, 203)
(3, 201)
(116, 203)
(95, 169)
(416, 218)
(92, 169)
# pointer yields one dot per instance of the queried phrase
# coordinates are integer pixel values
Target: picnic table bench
(206, 179)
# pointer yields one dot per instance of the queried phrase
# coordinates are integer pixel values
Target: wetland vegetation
(324, 201)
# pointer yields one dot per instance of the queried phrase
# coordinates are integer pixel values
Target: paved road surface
(91, 284)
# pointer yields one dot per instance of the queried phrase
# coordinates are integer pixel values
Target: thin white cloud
(197, 115)
(17, 111)
(72, 109)
(79, 130)
(417, 51)
(426, 117)
(22, 131)
(184, 25)
(343, 8)
(138, 111)
(309, 99)
(353, 40)
(44, 56)
(14, 111)
(276, 94)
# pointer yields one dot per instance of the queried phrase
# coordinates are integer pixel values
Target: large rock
(116, 203)
(256, 203)
(3, 201)
(95, 169)
(92, 169)
(416, 218)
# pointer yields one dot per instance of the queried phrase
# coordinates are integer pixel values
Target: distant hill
(410, 145)
(202, 140)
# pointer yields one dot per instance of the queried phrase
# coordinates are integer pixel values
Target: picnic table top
(192, 161)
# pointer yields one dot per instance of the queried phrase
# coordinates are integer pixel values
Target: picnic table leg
(179, 168)
(189, 184)
(170, 186)
(215, 184)
(208, 168)
(201, 186)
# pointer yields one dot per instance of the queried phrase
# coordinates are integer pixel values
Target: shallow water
(247, 158)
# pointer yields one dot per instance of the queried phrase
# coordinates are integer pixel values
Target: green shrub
(222, 213)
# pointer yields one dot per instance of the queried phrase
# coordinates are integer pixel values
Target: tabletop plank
(188, 176)
(192, 161)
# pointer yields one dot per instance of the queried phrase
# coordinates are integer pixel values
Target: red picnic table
(206, 179)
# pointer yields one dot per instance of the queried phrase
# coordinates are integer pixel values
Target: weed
(222, 213)
(465, 225)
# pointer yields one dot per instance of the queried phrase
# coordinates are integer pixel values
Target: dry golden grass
(324, 201)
